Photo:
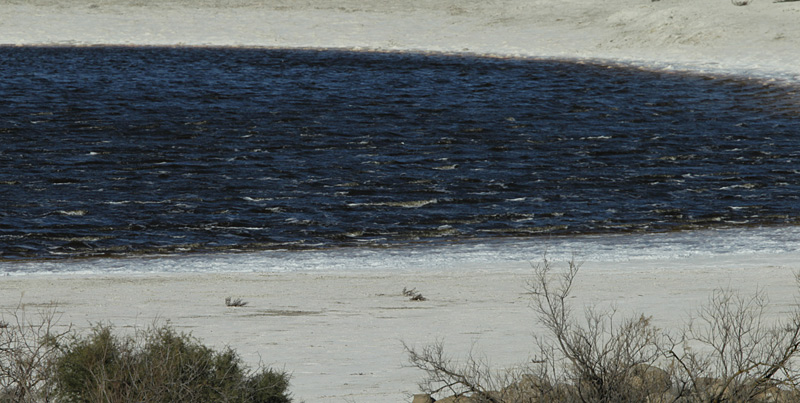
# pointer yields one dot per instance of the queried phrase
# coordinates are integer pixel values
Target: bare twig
(236, 303)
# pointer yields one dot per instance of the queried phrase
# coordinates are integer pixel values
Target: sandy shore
(712, 35)
(340, 333)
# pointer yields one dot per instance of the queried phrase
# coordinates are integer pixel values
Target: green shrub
(267, 386)
(86, 367)
(160, 365)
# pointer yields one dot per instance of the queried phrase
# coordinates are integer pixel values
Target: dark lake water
(118, 151)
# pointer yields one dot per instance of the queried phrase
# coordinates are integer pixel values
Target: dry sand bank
(341, 333)
(762, 38)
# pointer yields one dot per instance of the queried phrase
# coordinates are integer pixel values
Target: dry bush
(445, 375)
(730, 352)
(597, 356)
(29, 347)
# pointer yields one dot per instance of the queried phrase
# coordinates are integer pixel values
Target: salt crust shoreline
(340, 332)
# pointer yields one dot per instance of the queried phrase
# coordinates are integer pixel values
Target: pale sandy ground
(763, 37)
(340, 333)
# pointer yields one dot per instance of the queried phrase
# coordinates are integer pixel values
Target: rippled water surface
(109, 151)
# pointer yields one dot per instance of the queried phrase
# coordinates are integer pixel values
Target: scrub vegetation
(730, 351)
(39, 363)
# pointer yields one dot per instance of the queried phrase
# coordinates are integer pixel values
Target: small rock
(423, 398)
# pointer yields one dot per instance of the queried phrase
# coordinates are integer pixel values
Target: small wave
(63, 181)
(526, 230)
(404, 204)
(257, 199)
(412, 204)
(72, 213)
(742, 186)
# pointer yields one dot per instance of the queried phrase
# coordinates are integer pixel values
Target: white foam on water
(742, 247)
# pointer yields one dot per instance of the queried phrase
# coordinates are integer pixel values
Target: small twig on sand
(235, 302)
(415, 296)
